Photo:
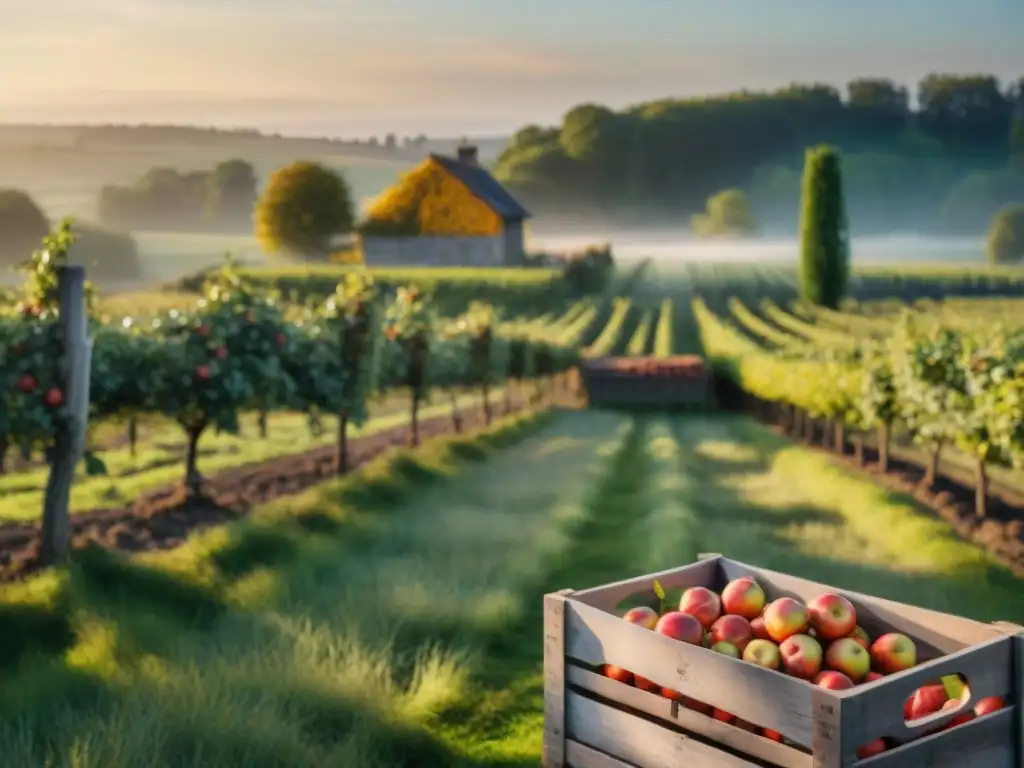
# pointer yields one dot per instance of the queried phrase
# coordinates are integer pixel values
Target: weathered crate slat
(592, 721)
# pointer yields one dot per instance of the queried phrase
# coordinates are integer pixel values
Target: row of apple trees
(942, 386)
(237, 352)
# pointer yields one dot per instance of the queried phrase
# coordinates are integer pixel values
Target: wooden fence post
(76, 361)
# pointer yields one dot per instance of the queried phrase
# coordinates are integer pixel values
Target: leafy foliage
(303, 209)
(1006, 236)
(727, 214)
(824, 238)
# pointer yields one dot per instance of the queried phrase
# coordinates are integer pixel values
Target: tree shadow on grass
(729, 522)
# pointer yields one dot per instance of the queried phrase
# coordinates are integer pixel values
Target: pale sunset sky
(451, 67)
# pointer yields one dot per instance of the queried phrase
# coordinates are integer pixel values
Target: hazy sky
(450, 67)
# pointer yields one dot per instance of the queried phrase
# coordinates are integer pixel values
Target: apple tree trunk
(262, 422)
(414, 419)
(840, 437)
(858, 450)
(486, 391)
(133, 435)
(981, 489)
(883, 447)
(4, 447)
(931, 471)
(456, 416)
(193, 480)
(342, 465)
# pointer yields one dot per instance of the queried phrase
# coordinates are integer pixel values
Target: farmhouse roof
(482, 184)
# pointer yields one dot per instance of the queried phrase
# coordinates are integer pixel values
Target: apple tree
(879, 402)
(410, 325)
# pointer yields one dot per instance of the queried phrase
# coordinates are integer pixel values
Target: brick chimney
(467, 154)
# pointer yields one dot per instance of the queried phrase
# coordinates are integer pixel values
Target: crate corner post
(553, 754)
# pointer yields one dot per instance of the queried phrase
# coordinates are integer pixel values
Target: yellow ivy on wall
(430, 201)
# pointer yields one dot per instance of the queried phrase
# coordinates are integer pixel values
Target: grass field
(378, 642)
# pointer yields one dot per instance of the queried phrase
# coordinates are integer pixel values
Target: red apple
(960, 719)
(282, 339)
(702, 604)
(835, 681)
(862, 638)
(747, 726)
(698, 706)
(801, 656)
(646, 685)
(27, 383)
(927, 700)
(721, 714)
(668, 693)
(221, 352)
(784, 618)
(726, 649)
(53, 397)
(680, 626)
(892, 653)
(732, 629)
(617, 673)
(832, 616)
(203, 372)
(758, 628)
(768, 733)
(848, 656)
(203, 330)
(871, 749)
(988, 705)
(763, 653)
(743, 597)
(872, 676)
(642, 615)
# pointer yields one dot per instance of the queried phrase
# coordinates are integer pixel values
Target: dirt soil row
(163, 519)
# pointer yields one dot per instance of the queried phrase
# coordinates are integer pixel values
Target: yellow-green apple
(617, 673)
(726, 649)
(801, 656)
(732, 629)
(871, 749)
(862, 638)
(758, 628)
(763, 653)
(701, 603)
(768, 733)
(848, 656)
(784, 618)
(893, 652)
(835, 681)
(680, 626)
(832, 616)
(988, 705)
(743, 597)
(927, 700)
(642, 615)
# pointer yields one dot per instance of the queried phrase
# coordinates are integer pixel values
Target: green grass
(394, 619)
(159, 458)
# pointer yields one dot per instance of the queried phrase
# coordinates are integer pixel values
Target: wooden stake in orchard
(824, 235)
(69, 443)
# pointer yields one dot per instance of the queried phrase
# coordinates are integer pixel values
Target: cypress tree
(824, 238)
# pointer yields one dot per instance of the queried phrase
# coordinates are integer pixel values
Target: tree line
(946, 164)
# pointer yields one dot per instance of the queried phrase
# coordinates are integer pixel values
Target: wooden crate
(591, 721)
(608, 387)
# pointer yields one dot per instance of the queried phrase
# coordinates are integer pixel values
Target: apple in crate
(963, 717)
(763, 653)
(758, 628)
(848, 656)
(680, 626)
(871, 749)
(926, 700)
(732, 629)
(646, 685)
(642, 615)
(863, 638)
(835, 681)
(726, 649)
(801, 656)
(988, 705)
(832, 616)
(617, 673)
(702, 604)
(893, 652)
(784, 618)
(872, 676)
(768, 733)
(743, 597)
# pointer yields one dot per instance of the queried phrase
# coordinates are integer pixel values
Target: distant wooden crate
(656, 383)
(592, 721)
